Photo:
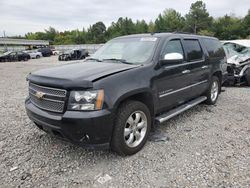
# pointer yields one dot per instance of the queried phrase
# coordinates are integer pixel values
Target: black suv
(46, 52)
(114, 98)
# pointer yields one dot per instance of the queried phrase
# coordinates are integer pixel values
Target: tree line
(197, 20)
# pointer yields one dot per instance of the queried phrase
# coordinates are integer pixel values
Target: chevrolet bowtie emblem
(39, 94)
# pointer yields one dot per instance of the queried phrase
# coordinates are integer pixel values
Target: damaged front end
(238, 60)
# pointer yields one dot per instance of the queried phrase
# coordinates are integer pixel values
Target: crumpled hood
(77, 75)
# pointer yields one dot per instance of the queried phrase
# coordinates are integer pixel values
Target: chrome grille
(53, 99)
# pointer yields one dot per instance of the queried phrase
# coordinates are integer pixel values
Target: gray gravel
(207, 146)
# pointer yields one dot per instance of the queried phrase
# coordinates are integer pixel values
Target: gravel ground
(207, 146)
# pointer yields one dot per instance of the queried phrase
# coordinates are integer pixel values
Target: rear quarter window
(193, 49)
(214, 48)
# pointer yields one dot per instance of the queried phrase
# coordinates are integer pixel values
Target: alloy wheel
(135, 129)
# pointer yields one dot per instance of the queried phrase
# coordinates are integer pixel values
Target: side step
(166, 116)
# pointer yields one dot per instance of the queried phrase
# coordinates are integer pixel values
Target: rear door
(198, 66)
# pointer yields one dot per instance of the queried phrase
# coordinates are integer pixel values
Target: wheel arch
(218, 74)
(144, 96)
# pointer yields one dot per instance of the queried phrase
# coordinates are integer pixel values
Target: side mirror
(172, 58)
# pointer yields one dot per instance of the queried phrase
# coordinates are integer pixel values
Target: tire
(38, 56)
(213, 91)
(247, 77)
(25, 59)
(127, 123)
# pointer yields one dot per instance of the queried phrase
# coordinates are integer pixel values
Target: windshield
(132, 50)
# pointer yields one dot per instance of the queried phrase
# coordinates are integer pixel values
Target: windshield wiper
(93, 59)
(120, 60)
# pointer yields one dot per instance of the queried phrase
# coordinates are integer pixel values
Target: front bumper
(87, 129)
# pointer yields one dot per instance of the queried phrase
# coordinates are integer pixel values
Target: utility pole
(5, 46)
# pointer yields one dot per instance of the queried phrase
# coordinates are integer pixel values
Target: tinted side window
(193, 49)
(214, 48)
(173, 46)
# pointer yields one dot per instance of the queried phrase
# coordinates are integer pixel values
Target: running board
(166, 116)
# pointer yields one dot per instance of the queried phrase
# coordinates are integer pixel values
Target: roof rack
(181, 32)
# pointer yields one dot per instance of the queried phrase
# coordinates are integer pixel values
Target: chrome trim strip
(181, 89)
(47, 93)
(183, 64)
(46, 99)
(51, 88)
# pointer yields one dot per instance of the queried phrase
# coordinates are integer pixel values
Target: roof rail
(181, 32)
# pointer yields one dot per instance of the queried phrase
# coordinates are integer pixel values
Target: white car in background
(34, 54)
(55, 52)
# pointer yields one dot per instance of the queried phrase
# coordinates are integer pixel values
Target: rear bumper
(87, 129)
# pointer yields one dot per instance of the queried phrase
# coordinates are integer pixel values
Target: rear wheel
(132, 127)
(213, 91)
(38, 56)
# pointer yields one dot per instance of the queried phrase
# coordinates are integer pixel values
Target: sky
(18, 17)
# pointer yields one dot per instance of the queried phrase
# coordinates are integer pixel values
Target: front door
(173, 79)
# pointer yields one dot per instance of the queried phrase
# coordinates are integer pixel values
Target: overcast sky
(18, 17)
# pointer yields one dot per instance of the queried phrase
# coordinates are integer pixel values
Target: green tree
(169, 21)
(246, 24)
(123, 26)
(141, 26)
(206, 33)
(198, 18)
(50, 34)
(160, 24)
(228, 28)
(96, 33)
(151, 27)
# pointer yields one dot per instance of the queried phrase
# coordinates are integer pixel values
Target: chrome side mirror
(172, 58)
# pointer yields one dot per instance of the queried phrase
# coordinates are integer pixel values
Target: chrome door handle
(186, 71)
(204, 67)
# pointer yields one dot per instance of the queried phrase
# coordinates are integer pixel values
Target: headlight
(86, 100)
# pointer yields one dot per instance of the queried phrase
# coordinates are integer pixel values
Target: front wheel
(247, 76)
(213, 91)
(132, 127)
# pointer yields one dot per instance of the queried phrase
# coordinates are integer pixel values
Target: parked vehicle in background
(55, 52)
(238, 60)
(46, 52)
(34, 54)
(73, 55)
(14, 56)
(115, 97)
